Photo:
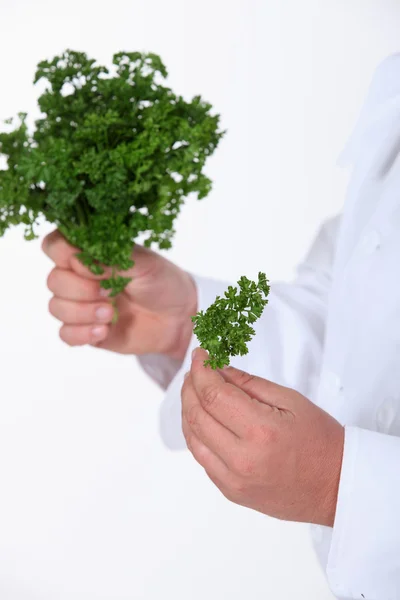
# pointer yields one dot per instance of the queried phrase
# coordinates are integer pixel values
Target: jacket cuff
(364, 556)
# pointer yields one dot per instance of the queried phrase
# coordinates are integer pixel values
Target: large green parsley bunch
(225, 328)
(114, 155)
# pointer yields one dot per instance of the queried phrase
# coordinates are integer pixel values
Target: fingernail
(104, 313)
(104, 293)
(186, 375)
(97, 332)
(194, 353)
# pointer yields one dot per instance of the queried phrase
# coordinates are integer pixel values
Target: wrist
(184, 325)
(333, 469)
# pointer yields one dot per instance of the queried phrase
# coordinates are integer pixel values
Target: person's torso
(360, 376)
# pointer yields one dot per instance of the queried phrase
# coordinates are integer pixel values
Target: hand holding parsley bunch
(114, 156)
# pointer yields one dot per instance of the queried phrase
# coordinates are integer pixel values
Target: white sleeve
(287, 347)
(364, 558)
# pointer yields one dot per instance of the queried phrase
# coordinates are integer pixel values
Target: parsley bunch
(225, 327)
(114, 155)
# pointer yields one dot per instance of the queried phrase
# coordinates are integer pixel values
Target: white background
(91, 504)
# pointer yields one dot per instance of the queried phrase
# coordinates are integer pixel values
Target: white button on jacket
(334, 335)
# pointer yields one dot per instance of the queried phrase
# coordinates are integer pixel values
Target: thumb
(56, 247)
(260, 389)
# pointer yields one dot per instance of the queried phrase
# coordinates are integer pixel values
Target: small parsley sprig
(225, 327)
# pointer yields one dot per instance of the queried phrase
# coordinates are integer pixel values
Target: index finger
(228, 404)
(63, 254)
(56, 247)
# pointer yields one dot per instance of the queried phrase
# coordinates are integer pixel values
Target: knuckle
(188, 443)
(252, 434)
(234, 492)
(53, 306)
(260, 434)
(90, 289)
(201, 454)
(52, 280)
(245, 379)
(75, 313)
(267, 434)
(78, 314)
(84, 289)
(243, 465)
(192, 416)
(65, 337)
(48, 241)
(228, 493)
(239, 490)
(210, 395)
(149, 264)
(77, 266)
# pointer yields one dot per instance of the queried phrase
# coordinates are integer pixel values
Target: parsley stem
(81, 214)
(116, 312)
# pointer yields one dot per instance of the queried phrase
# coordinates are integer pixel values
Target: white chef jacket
(334, 335)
